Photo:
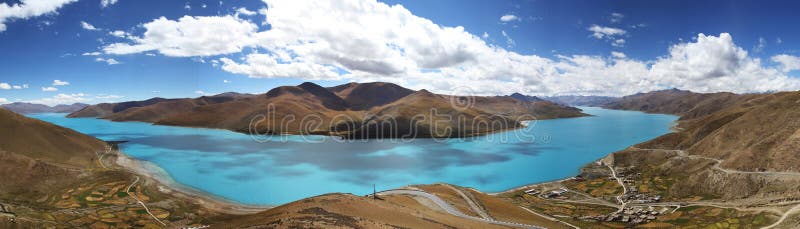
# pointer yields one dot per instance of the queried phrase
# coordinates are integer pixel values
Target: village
(633, 209)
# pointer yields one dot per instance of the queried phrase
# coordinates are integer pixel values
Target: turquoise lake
(286, 168)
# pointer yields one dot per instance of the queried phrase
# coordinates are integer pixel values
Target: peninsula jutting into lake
(399, 114)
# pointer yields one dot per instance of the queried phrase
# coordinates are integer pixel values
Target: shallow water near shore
(283, 169)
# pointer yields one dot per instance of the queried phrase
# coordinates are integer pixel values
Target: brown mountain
(27, 108)
(579, 100)
(362, 96)
(105, 109)
(37, 157)
(673, 101)
(728, 148)
(424, 114)
(339, 110)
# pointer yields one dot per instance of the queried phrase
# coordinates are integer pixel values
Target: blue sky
(534, 47)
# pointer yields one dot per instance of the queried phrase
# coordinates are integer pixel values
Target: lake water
(236, 167)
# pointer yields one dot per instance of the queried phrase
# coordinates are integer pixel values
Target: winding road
(452, 210)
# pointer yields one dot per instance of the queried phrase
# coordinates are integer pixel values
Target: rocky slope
(344, 110)
(728, 146)
(36, 156)
(686, 104)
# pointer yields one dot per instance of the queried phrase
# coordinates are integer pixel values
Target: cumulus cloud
(509, 17)
(618, 43)
(3, 101)
(28, 9)
(601, 32)
(619, 55)
(91, 54)
(49, 89)
(373, 41)
(87, 26)
(190, 36)
(109, 61)
(717, 64)
(106, 3)
(245, 11)
(788, 63)
(60, 83)
(226, 81)
(7, 86)
(118, 33)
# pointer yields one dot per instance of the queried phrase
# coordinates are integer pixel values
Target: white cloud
(485, 35)
(119, 33)
(226, 81)
(3, 101)
(778, 40)
(7, 86)
(600, 32)
(244, 11)
(618, 43)
(787, 62)
(204, 6)
(106, 3)
(49, 89)
(190, 36)
(717, 64)
(616, 17)
(760, 46)
(60, 83)
(62, 99)
(87, 26)
(91, 54)
(109, 61)
(509, 41)
(619, 55)
(187, 6)
(28, 9)
(373, 41)
(200, 92)
(509, 17)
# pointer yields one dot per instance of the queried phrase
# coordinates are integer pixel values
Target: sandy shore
(166, 184)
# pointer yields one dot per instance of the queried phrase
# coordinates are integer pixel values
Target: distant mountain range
(27, 108)
(580, 100)
(357, 110)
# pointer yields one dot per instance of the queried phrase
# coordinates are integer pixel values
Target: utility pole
(374, 193)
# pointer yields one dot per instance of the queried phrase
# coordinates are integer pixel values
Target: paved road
(452, 210)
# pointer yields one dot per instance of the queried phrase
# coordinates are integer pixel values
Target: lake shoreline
(167, 185)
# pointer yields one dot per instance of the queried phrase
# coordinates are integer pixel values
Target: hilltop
(349, 110)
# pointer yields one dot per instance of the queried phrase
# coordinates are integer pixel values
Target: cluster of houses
(630, 215)
(633, 196)
(557, 193)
